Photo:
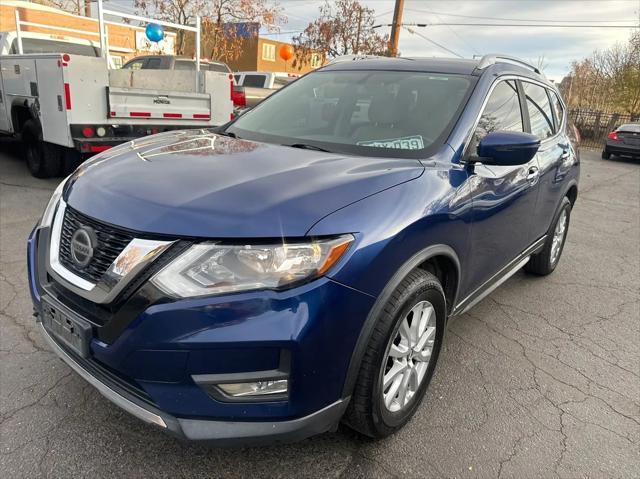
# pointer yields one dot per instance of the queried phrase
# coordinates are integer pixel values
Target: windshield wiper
(227, 133)
(306, 146)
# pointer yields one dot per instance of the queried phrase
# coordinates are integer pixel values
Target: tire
(605, 155)
(545, 261)
(367, 412)
(71, 159)
(43, 158)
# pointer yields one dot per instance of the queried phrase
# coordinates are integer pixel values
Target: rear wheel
(546, 261)
(43, 159)
(71, 159)
(605, 154)
(400, 358)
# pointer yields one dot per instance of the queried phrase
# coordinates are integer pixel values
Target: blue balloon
(154, 32)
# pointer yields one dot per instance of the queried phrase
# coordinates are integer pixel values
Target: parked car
(173, 62)
(623, 141)
(297, 267)
(253, 87)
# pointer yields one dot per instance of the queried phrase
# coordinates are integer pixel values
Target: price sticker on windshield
(404, 143)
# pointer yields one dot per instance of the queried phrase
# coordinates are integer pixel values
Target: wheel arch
(572, 192)
(437, 259)
(20, 114)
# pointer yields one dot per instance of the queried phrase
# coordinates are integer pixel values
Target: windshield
(38, 45)
(374, 113)
(630, 127)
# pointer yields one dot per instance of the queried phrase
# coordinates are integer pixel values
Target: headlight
(50, 210)
(210, 268)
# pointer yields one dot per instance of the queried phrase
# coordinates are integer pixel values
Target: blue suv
(297, 267)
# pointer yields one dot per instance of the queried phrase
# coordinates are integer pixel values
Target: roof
(434, 65)
(489, 63)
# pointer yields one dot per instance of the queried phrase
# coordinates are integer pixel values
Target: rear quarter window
(558, 110)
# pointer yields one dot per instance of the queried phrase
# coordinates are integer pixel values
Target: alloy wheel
(558, 236)
(408, 356)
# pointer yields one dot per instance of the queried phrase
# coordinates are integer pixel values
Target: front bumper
(224, 433)
(151, 367)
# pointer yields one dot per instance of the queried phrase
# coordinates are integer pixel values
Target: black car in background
(623, 141)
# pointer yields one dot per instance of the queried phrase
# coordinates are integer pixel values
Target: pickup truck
(66, 107)
(256, 86)
(173, 62)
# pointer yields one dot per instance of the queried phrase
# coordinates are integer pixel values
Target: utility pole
(395, 28)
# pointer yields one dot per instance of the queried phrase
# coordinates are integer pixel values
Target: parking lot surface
(541, 379)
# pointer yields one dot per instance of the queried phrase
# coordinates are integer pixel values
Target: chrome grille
(111, 242)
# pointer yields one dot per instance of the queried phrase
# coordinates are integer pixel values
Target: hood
(196, 183)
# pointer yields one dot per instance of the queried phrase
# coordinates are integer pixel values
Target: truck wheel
(43, 158)
(400, 358)
(546, 260)
(71, 159)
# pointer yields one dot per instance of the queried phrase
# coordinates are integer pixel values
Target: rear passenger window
(152, 64)
(557, 110)
(253, 81)
(502, 111)
(540, 115)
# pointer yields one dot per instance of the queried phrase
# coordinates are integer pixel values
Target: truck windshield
(375, 113)
(40, 45)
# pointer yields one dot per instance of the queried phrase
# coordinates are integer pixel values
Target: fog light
(258, 388)
(101, 131)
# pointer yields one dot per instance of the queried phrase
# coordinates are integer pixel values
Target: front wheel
(546, 260)
(400, 358)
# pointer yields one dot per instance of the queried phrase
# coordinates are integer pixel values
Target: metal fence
(594, 126)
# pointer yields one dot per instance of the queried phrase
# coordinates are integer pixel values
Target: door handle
(533, 174)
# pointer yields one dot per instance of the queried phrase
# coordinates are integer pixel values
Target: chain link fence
(594, 126)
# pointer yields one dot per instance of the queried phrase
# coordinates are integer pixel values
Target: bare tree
(343, 28)
(224, 40)
(72, 6)
(609, 80)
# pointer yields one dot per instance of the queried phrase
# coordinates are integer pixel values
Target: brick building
(125, 41)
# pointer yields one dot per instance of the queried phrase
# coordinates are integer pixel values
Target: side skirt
(497, 279)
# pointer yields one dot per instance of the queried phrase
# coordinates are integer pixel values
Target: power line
(509, 19)
(411, 30)
(474, 49)
(504, 25)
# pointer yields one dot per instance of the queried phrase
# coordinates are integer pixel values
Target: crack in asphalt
(568, 368)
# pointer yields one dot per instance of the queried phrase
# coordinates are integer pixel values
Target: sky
(558, 46)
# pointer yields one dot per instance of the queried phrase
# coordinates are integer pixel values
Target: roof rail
(353, 58)
(493, 58)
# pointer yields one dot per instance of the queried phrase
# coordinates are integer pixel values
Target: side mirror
(507, 148)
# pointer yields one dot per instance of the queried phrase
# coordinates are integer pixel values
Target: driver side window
(502, 111)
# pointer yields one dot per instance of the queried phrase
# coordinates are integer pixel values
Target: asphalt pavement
(541, 379)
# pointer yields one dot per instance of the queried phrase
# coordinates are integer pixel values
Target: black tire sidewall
(33, 152)
(566, 206)
(387, 421)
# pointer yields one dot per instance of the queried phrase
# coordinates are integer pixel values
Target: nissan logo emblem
(83, 242)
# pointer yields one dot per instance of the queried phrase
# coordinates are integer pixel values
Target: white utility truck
(65, 107)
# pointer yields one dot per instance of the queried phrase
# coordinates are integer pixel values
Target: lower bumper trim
(221, 433)
(119, 400)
